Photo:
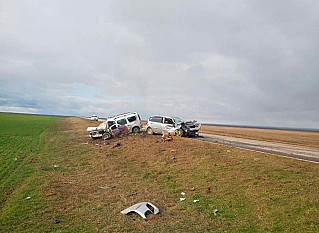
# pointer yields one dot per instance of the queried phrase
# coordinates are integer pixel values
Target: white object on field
(183, 193)
(196, 201)
(215, 211)
(182, 198)
(142, 208)
(28, 198)
(55, 165)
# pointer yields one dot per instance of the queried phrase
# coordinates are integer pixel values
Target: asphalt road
(305, 153)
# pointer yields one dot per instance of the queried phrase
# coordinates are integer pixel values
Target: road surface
(305, 153)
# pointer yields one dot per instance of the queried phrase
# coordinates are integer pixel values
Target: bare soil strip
(292, 151)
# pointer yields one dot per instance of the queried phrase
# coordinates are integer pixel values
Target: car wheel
(107, 136)
(178, 133)
(149, 130)
(136, 129)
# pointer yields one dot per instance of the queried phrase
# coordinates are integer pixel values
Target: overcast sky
(231, 62)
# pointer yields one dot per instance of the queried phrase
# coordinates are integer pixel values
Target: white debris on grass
(55, 165)
(107, 187)
(182, 193)
(28, 198)
(182, 199)
(196, 201)
(215, 211)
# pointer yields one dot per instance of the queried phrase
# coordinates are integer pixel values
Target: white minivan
(131, 119)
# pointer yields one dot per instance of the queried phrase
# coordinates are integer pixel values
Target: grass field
(306, 138)
(253, 192)
(22, 138)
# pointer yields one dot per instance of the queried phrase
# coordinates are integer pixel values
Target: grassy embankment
(253, 192)
(305, 138)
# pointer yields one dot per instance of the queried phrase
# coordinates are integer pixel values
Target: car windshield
(178, 120)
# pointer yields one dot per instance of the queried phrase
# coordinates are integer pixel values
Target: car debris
(116, 126)
(215, 211)
(182, 198)
(196, 201)
(57, 221)
(28, 198)
(141, 208)
(174, 125)
(182, 193)
(192, 189)
(55, 165)
(160, 140)
(117, 144)
(107, 187)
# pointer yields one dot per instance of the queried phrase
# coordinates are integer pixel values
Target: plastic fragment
(196, 201)
(182, 198)
(28, 198)
(215, 211)
(141, 208)
(182, 193)
(107, 187)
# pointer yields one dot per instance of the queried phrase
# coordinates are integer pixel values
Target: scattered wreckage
(163, 124)
(116, 126)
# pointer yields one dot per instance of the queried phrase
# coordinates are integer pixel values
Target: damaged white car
(115, 125)
(163, 124)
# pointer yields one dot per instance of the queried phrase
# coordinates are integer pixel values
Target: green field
(22, 138)
(254, 192)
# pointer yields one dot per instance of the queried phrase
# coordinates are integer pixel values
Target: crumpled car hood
(190, 123)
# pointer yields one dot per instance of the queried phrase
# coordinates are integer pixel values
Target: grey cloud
(238, 62)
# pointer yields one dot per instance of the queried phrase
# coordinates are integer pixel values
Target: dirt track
(310, 154)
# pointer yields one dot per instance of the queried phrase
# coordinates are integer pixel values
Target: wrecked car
(163, 124)
(116, 126)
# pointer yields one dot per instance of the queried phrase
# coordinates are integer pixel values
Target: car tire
(136, 129)
(149, 131)
(178, 133)
(107, 136)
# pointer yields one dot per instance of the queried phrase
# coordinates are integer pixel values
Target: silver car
(164, 124)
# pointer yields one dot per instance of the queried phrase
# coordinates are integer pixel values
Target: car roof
(122, 115)
(161, 116)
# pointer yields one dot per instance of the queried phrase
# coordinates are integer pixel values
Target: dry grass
(286, 136)
(271, 194)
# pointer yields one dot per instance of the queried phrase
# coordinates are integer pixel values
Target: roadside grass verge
(253, 192)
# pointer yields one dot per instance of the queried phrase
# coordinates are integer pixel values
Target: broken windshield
(178, 120)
